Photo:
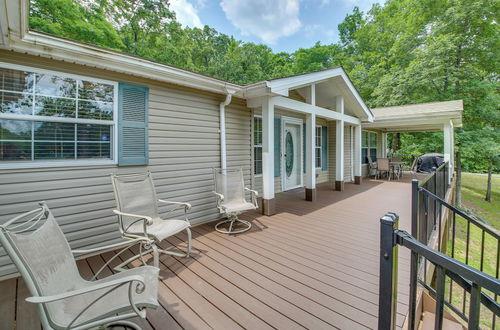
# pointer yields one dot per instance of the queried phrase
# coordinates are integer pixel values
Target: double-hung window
(317, 148)
(369, 146)
(257, 145)
(50, 117)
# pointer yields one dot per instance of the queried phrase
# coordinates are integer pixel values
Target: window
(318, 144)
(369, 146)
(257, 145)
(51, 116)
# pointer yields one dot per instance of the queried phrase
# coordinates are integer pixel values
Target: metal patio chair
(230, 191)
(383, 167)
(39, 249)
(139, 218)
(372, 167)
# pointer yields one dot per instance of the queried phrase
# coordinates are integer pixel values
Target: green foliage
(402, 52)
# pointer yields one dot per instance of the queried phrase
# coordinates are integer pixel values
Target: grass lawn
(473, 193)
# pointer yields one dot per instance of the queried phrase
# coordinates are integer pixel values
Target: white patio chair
(230, 191)
(39, 249)
(139, 217)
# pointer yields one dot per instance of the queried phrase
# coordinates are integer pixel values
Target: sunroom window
(47, 116)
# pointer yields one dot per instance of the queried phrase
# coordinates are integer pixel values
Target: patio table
(396, 169)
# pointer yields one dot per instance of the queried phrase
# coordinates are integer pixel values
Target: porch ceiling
(417, 117)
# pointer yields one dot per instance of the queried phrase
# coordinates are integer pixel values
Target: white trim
(15, 165)
(254, 145)
(299, 122)
(59, 163)
(301, 107)
(320, 147)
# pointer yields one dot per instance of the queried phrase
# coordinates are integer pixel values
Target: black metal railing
(475, 282)
(429, 211)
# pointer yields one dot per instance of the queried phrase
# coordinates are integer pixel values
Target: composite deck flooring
(312, 265)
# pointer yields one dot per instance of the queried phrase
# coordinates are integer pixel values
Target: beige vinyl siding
(183, 148)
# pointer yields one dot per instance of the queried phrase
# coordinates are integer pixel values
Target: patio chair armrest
(110, 246)
(254, 196)
(149, 220)
(186, 206)
(219, 196)
(255, 192)
(64, 295)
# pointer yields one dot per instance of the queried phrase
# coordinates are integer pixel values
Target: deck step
(427, 323)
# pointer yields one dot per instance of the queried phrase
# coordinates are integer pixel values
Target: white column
(268, 156)
(339, 150)
(384, 145)
(448, 146)
(339, 144)
(357, 154)
(310, 151)
(309, 140)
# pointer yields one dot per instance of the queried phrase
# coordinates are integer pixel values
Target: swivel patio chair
(230, 191)
(139, 218)
(39, 249)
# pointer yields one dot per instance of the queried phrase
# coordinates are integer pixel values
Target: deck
(312, 265)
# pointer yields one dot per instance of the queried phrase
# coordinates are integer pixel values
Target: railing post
(412, 305)
(388, 272)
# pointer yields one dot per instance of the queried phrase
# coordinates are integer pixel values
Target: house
(73, 113)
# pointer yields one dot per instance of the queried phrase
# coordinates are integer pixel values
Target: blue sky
(284, 25)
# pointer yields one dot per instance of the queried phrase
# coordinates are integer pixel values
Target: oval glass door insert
(289, 154)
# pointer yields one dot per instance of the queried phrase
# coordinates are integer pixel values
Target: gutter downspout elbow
(222, 130)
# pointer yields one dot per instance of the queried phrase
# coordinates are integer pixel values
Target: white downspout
(222, 119)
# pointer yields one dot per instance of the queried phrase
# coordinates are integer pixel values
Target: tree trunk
(396, 144)
(458, 190)
(488, 186)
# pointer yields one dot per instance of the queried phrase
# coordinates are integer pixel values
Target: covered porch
(424, 117)
(291, 110)
(311, 265)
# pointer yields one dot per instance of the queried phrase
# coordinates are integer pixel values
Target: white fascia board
(297, 106)
(74, 52)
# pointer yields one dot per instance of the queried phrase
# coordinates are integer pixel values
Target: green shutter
(132, 125)
(277, 147)
(304, 144)
(324, 148)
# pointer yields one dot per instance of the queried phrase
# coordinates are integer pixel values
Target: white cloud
(186, 13)
(267, 19)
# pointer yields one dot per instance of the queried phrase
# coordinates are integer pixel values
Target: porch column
(339, 144)
(357, 154)
(448, 142)
(309, 140)
(268, 202)
(310, 157)
(384, 145)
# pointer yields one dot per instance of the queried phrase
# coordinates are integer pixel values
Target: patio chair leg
(126, 324)
(156, 256)
(231, 220)
(189, 242)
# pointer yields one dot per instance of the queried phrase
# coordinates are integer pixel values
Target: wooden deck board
(312, 265)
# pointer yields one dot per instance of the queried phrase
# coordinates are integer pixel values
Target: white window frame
(369, 146)
(65, 163)
(320, 147)
(255, 145)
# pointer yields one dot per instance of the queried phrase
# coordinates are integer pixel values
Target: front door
(291, 161)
